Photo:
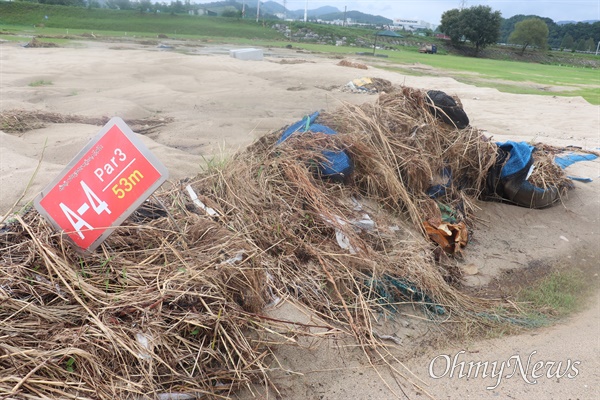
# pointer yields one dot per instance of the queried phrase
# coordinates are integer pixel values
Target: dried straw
(352, 64)
(172, 302)
(18, 120)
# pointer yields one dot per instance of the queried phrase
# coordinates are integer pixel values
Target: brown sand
(220, 104)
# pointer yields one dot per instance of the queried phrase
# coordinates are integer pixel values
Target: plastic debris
(366, 223)
(337, 164)
(388, 287)
(445, 107)
(145, 341)
(451, 237)
(572, 158)
(237, 258)
(200, 204)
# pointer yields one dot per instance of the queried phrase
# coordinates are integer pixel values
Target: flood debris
(172, 304)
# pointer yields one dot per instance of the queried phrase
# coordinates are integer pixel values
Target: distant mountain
(359, 17)
(589, 21)
(326, 13)
(272, 7)
(250, 7)
(316, 13)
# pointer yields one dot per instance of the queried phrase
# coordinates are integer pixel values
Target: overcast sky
(431, 10)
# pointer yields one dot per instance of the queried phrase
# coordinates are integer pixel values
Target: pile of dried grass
(352, 64)
(401, 150)
(546, 172)
(172, 304)
(18, 120)
(161, 309)
(35, 43)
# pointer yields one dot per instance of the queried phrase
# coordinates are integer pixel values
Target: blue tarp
(572, 158)
(300, 126)
(520, 157)
(436, 191)
(337, 164)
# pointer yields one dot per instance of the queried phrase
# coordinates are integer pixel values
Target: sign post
(106, 182)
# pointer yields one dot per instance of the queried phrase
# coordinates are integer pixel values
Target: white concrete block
(247, 54)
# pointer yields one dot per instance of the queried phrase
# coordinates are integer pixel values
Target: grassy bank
(505, 75)
(16, 14)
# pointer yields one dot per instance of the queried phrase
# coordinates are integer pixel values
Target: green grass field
(507, 76)
(18, 14)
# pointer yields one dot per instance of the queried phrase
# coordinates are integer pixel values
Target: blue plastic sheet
(572, 158)
(520, 157)
(300, 126)
(337, 164)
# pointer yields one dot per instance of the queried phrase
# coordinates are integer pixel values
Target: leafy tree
(580, 30)
(119, 4)
(477, 24)
(508, 25)
(451, 25)
(567, 42)
(142, 6)
(532, 31)
(177, 7)
(481, 26)
(590, 45)
(231, 13)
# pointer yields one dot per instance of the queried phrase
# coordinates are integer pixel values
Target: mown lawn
(506, 76)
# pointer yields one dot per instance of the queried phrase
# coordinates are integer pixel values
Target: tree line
(481, 26)
(581, 36)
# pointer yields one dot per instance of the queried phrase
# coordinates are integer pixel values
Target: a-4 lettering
(76, 217)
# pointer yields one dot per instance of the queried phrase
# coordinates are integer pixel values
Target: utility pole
(306, 12)
(284, 10)
(257, 10)
(597, 47)
(345, 8)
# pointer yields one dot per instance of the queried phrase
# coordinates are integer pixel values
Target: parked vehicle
(428, 49)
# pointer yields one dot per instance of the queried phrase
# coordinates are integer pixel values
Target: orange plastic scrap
(451, 237)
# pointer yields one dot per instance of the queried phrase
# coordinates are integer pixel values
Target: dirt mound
(35, 43)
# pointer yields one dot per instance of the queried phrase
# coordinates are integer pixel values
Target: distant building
(412, 24)
(202, 11)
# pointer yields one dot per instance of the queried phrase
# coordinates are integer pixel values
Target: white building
(412, 24)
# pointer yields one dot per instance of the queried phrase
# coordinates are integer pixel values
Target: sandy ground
(220, 104)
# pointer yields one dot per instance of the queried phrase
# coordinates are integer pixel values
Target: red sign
(102, 186)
